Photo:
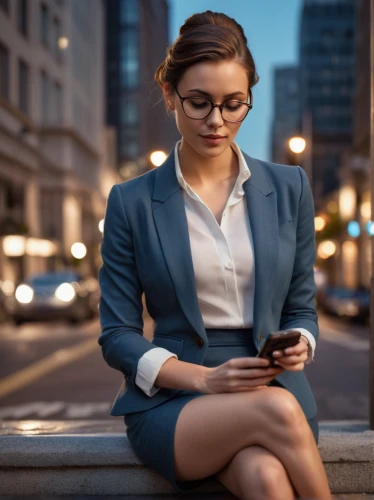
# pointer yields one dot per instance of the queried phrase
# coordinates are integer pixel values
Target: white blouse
(223, 261)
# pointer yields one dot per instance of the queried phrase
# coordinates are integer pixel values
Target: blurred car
(55, 295)
(346, 303)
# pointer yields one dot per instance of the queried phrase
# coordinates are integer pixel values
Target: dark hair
(208, 36)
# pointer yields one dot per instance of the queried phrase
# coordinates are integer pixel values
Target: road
(54, 371)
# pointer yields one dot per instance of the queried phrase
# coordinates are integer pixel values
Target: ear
(169, 96)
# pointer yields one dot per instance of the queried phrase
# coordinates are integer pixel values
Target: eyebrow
(210, 95)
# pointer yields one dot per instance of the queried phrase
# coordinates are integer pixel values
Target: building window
(44, 97)
(4, 71)
(129, 113)
(128, 143)
(129, 65)
(56, 105)
(4, 4)
(129, 12)
(23, 86)
(130, 149)
(44, 24)
(56, 36)
(22, 17)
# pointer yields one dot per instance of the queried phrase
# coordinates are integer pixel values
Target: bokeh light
(353, 229)
(78, 250)
(319, 223)
(297, 144)
(158, 158)
(326, 249)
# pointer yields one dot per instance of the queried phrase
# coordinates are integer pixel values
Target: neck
(202, 171)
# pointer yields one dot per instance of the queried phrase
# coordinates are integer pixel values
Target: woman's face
(217, 82)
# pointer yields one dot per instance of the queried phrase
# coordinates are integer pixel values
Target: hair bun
(212, 18)
(206, 36)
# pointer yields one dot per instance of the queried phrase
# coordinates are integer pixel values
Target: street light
(297, 144)
(157, 158)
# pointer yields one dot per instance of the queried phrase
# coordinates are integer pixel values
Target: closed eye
(233, 105)
(198, 103)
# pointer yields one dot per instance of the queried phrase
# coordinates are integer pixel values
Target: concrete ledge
(95, 458)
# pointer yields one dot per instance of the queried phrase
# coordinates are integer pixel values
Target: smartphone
(277, 341)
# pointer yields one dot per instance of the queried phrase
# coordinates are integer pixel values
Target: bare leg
(212, 429)
(256, 474)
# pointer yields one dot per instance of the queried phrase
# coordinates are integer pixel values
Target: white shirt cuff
(312, 343)
(148, 367)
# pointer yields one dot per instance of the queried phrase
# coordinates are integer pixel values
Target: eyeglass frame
(220, 106)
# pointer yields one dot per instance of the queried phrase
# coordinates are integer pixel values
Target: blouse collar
(244, 173)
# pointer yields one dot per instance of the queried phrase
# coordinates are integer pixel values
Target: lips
(212, 136)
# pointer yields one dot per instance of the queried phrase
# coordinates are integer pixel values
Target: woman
(222, 245)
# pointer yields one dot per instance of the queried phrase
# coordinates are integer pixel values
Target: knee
(269, 478)
(284, 409)
(264, 476)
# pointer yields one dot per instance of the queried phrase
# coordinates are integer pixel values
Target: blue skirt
(151, 432)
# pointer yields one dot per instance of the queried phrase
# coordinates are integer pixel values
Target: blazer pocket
(172, 344)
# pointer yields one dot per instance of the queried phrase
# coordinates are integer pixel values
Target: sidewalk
(81, 458)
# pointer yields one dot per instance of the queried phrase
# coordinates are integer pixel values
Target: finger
(295, 368)
(277, 353)
(291, 360)
(254, 373)
(296, 349)
(249, 362)
(290, 351)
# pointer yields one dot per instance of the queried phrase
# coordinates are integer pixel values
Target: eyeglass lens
(199, 108)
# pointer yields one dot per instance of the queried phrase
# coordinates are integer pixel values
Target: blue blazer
(146, 248)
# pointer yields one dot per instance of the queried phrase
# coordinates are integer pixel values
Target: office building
(327, 83)
(52, 136)
(136, 43)
(286, 119)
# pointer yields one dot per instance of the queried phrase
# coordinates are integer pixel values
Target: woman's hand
(293, 358)
(238, 375)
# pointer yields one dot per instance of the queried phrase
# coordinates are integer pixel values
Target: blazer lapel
(171, 224)
(261, 201)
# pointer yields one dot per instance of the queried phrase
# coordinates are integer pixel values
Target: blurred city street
(60, 156)
(182, 150)
(67, 377)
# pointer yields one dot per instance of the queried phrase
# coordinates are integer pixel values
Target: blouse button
(199, 341)
(228, 265)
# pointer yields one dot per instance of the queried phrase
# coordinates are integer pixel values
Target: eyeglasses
(198, 108)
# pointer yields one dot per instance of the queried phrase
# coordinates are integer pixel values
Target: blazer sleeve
(299, 309)
(121, 304)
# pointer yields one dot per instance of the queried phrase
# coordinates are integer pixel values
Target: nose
(215, 118)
